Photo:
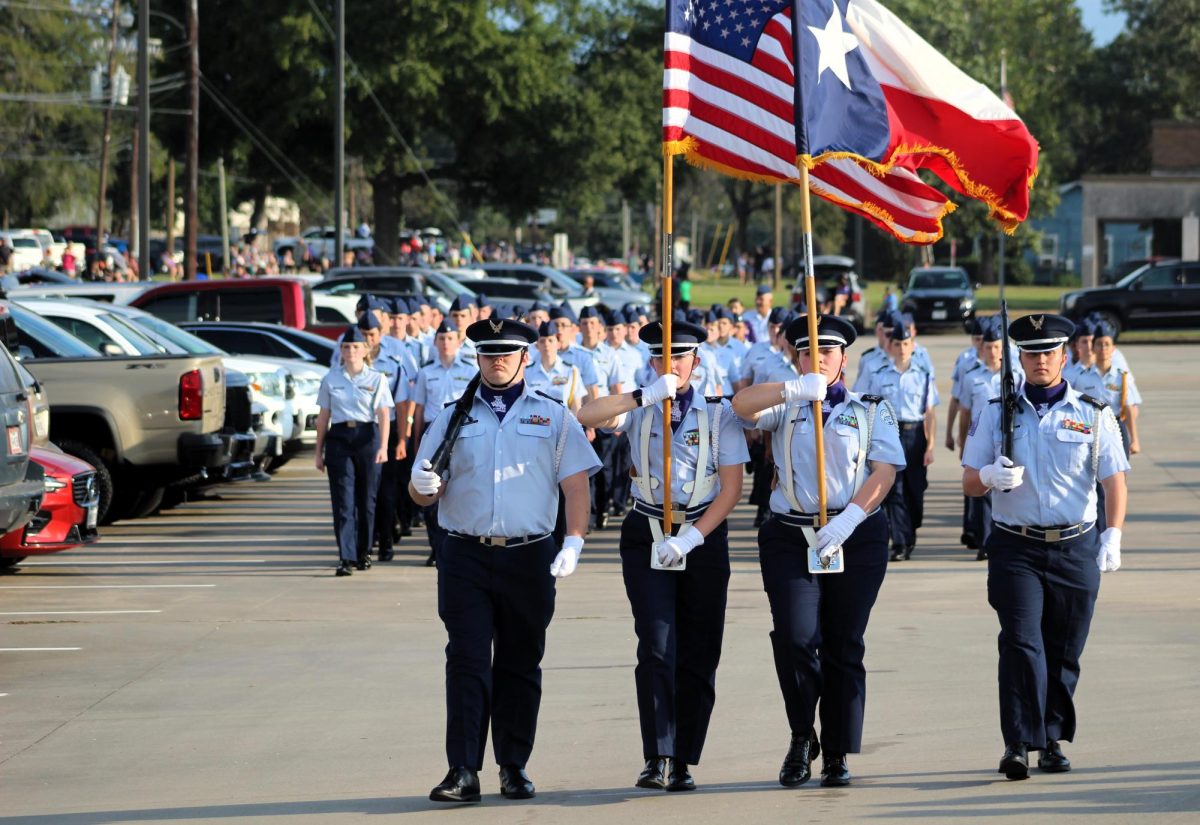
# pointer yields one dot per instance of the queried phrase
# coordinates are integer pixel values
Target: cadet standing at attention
(1044, 555)
(911, 390)
(820, 619)
(676, 584)
(352, 439)
(497, 564)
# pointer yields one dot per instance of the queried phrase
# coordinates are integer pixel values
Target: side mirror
(8, 330)
(23, 352)
(110, 349)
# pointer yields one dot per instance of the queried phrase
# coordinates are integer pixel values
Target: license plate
(14, 441)
(938, 315)
(92, 510)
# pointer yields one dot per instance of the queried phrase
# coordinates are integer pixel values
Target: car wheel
(9, 563)
(144, 503)
(1110, 317)
(104, 476)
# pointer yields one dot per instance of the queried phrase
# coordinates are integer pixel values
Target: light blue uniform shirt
(643, 350)
(921, 356)
(629, 361)
(871, 360)
(604, 362)
(387, 345)
(397, 379)
(685, 447)
(1107, 386)
(779, 369)
(911, 393)
(1058, 488)
(724, 368)
(754, 356)
(965, 361)
(577, 356)
(981, 385)
(841, 451)
(501, 480)
(758, 324)
(437, 385)
(354, 397)
(562, 381)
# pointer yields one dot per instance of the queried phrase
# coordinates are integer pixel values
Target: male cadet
(978, 387)
(920, 354)
(498, 562)
(396, 375)
(484, 307)
(966, 360)
(729, 348)
(608, 381)
(537, 314)
(911, 390)
(412, 356)
(727, 361)
(875, 357)
(758, 318)
(563, 320)
(463, 313)
(439, 382)
(551, 375)
(380, 308)
(1104, 380)
(1045, 556)
(765, 349)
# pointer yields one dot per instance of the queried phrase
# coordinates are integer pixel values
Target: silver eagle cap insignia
(497, 326)
(1037, 322)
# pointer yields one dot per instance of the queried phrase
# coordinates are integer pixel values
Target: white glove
(672, 551)
(424, 480)
(568, 557)
(1109, 560)
(808, 387)
(664, 387)
(1002, 474)
(833, 535)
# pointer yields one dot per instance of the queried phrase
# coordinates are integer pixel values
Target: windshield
(1133, 276)
(182, 339)
(46, 339)
(951, 279)
(140, 341)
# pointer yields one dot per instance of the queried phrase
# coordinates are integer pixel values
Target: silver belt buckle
(351, 424)
(1053, 535)
(494, 541)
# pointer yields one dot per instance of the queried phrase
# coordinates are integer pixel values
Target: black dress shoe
(386, 555)
(432, 560)
(1052, 759)
(759, 518)
(515, 783)
(654, 776)
(897, 552)
(601, 520)
(460, 785)
(797, 765)
(835, 773)
(981, 555)
(405, 531)
(908, 551)
(969, 541)
(1015, 762)
(618, 510)
(363, 563)
(343, 569)
(680, 778)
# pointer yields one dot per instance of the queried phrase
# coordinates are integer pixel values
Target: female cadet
(676, 584)
(820, 620)
(352, 440)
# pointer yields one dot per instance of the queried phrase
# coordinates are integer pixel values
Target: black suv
(939, 296)
(1155, 296)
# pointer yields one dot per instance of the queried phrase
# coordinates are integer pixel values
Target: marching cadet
(1044, 555)
(563, 319)
(463, 313)
(758, 318)
(608, 380)
(676, 584)
(978, 387)
(352, 441)
(911, 390)
(396, 375)
(630, 361)
(964, 362)
(820, 619)
(551, 375)
(875, 357)
(1112, 384)
(497, 564)
(404, 314)
(439, 382)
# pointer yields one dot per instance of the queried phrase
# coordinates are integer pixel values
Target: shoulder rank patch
(1076, 426)
(539, 420)
(872, 399)
(1095, 402)
(715, 399)
(544, 395)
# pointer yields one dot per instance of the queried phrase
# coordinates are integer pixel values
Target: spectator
(348, 258)
(68, 265)
(6, 253)
(363, 231)
(890, 302)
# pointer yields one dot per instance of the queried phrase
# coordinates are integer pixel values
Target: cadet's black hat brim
(685, 337)
(496, 337)
(832, 331)
(1040, 333)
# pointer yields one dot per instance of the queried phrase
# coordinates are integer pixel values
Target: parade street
(206, 665)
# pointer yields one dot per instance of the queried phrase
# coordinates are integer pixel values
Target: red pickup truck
(283, 300)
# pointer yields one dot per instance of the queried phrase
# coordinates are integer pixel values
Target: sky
(1103, 26)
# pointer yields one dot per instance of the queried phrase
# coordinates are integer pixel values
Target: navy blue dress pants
(820, 622)
(905, 502)
(1044, 595)
(496, 603)
(353, 485)
(679, 619)
(605, 445)
(389, 493)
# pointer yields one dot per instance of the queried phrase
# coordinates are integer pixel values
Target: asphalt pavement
(205, 665)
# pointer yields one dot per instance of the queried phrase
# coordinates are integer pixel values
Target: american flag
(729, 104)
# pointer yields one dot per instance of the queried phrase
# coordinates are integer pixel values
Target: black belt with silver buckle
(351, 425)
(795, 519)
(677, 516)
(1049, 535)
(499, 541)
(911, 425)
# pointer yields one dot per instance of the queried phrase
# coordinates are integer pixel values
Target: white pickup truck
(320, 242)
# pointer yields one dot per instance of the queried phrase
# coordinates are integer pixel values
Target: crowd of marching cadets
(472, 423)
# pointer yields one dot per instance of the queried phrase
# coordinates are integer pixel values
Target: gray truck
(21, 480)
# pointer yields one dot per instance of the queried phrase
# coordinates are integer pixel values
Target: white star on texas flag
(834, 43)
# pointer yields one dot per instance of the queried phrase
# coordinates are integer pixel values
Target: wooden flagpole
(667, 311)
(814, 349)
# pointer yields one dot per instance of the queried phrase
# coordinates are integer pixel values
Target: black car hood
(927, 294)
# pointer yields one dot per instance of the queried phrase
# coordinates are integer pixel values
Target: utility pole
(143, 160)
(224, 216)
(106, 133)
(171, 206)
(191, 163)
(339, 133)
(135, 240)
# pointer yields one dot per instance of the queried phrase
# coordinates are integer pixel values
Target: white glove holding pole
(672, 551)
(1002, 475)
(664, 387)
(811, 386)
(424, 480)
(1109, 560)
(565, 562)
(833, 535)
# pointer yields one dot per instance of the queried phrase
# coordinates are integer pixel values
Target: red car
(68, 515)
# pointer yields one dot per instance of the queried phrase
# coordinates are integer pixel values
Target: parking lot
(204, 664)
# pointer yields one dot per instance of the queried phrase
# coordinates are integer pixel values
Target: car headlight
(967, 303)
(52, 484)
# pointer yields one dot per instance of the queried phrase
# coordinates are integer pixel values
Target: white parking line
(139, 561)
(74, 612)
(241, 539)
(35, 649)
(96, 586)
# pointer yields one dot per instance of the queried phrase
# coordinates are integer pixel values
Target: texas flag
(870, 105)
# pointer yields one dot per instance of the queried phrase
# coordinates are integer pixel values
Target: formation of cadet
(574, 405)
